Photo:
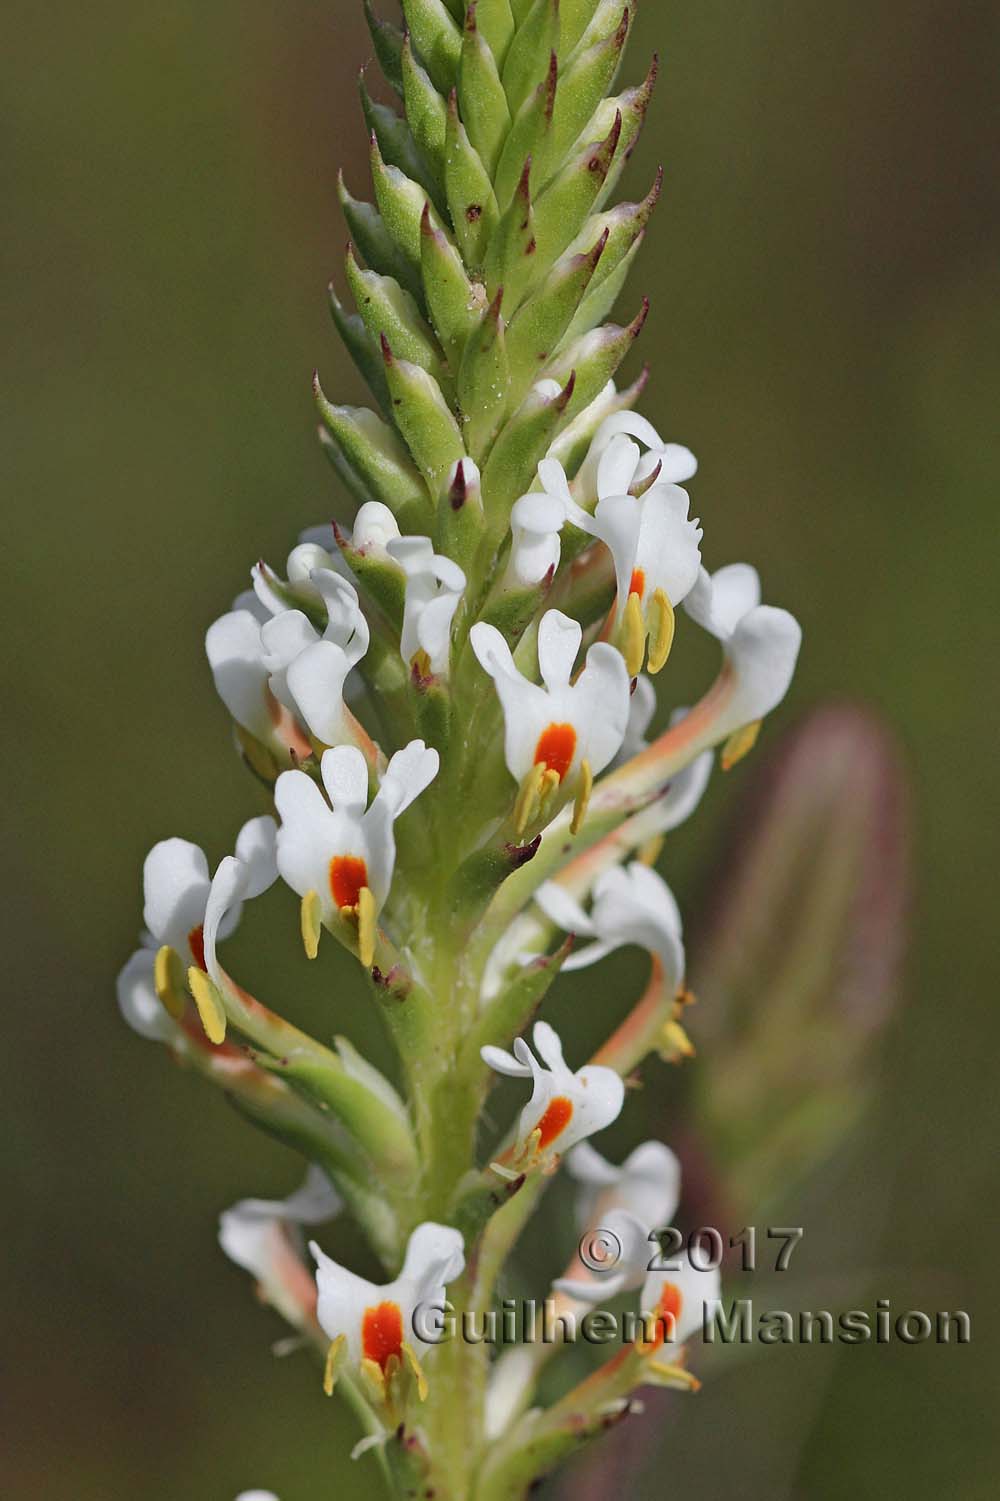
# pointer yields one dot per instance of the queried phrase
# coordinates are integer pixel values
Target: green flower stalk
(444, 700)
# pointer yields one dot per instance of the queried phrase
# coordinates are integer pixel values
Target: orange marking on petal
(638, 582)
(555, 748)
(348, 873)
(555, 1120)
(668, 1312)
(382, 1333)
(196, 943)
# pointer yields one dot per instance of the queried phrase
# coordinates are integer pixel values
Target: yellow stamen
(633, 636)
(583, 791)
(674, 1043)
(740, 745)
(366, 927)
(527, 798)
(168, 978)
(334, 1359)
(663, 623)
(373, 1379)
(551, 782)
(417, 1371)
(672, 1376)
(311, 923)
(506, 1173)
(420, 663)
(651, 851)
(211, 1011)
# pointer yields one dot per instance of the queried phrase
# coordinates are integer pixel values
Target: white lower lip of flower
(561, 723)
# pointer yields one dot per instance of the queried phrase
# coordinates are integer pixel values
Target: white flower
(565, 1107)
(256, 1496)
(434, 587)
(262, 1236)
(669, 463)
(684, 791)
(238, 879)
(560, 727)
(342, 849)
(242, 676)
(374, 527)
(308, 671)
(647, 1185)
(176, 889)
(377, 1324)
(536, 521)
(631, 904)
(761, 646)
(677, 1297)
(619, 1209)
(655, 547)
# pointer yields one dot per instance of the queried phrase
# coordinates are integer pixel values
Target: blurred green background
(825, 335)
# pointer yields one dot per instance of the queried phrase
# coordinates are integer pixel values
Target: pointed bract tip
(636, 326)
(566, 396)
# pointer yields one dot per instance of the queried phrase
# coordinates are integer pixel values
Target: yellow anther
(663, 623)
(651, 851)
(584, 788)
(209, 1003)
(672, 1376)
(334, 1359)
(417, 1371)
(674, 1043)
(420, 663)
(740, 745)
(527, 799)
(633, 636)
(366, 927)
(551, 781)
(373, 1380)
(168, 978)
(311, 923)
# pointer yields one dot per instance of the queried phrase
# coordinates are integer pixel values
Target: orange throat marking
(382, 1333)
(668, 1312)
(555, 748)
(555, 1120)
(638, 582)
(196, 943)
(348, 874)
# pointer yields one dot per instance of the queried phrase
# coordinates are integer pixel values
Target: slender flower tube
(263, 1237)
(509, 552)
